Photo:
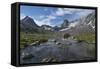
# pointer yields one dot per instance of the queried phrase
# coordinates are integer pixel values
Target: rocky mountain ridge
(86, 24)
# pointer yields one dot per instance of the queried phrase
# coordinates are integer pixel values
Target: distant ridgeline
(84, 24)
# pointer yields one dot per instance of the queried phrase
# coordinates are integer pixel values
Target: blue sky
(52, 15)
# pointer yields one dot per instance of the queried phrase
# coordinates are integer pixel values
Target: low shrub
(66, 35)
(43, 40)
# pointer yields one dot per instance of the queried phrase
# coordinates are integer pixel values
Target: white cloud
(43, 22)
(22, 16)
(51, 17)
(41, 16)
(71, 9)
(59, 12)
(46, 19)
(62, 11)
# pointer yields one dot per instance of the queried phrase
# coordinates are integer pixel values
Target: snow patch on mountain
(65, 29)
(70, 26)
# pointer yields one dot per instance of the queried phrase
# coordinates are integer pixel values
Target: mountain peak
(29, 21)
(27, 17)
(65, 23)
(28, 24)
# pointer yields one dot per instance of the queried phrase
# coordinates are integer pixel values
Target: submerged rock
(27, 56)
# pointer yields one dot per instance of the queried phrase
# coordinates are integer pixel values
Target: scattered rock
(52, 40)
(58, 43)
(27, 56)
(35, 43)
(48, 60)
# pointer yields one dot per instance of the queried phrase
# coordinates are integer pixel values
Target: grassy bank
(86, 37)
(28, 38)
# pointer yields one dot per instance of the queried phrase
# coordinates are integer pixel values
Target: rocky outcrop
(65, 24)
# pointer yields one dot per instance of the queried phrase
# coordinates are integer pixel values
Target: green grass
(28, 38)
(86, 37)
